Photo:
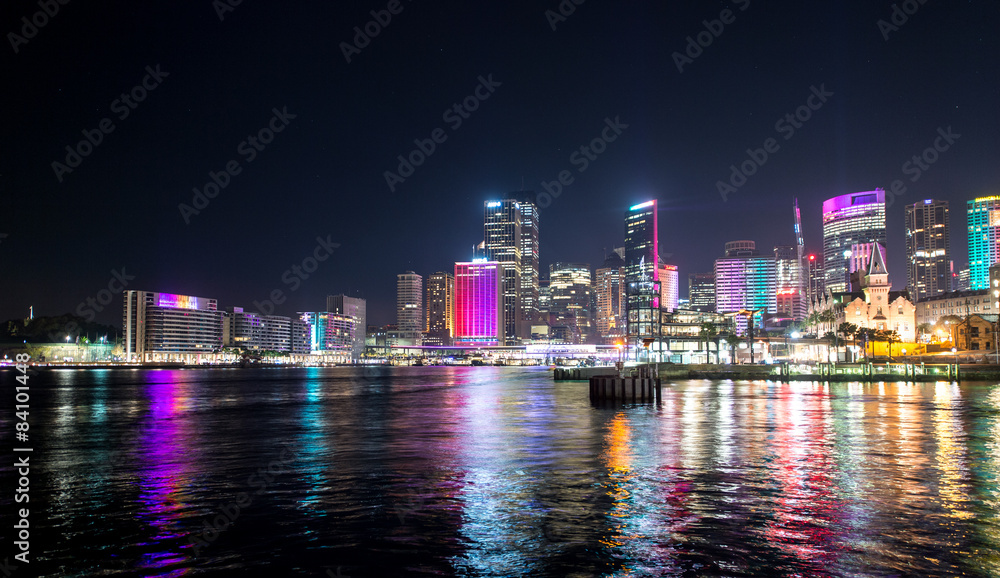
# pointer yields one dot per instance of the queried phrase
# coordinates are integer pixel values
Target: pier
(829, 372)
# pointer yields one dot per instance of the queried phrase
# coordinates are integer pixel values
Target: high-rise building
(609, 288)
(572, 299)
(791, 299)
(503, 232)
(928, 254)
(255, 331)
(984, 240)
(409, 308)
(169, 327)
(529, 264)
(745, 280)
(356, 308)
(440, 305)
(330, 333)
(479, 303)
(848, 220)
(816, 282)
(701, 292)
(641, 274)
(669, 290)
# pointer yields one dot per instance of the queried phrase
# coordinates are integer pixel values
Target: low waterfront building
(958, 303)
(256, 332)
(331, 334)
(169, 327)
(974, 333)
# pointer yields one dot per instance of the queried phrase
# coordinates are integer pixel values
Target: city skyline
(280, 151)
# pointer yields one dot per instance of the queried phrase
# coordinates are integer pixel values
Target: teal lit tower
(984, 236)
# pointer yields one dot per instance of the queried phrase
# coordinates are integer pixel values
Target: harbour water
(493, 471)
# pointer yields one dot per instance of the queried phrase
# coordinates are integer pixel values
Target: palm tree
(812, 319)
(733, 340)
(828, 317)
(708, 332)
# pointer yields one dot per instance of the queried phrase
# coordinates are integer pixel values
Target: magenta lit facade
(478, 303)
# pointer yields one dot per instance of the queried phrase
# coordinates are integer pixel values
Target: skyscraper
(791, 299)
(641, 273)
(745, 280)
(701, 291)
(358, 309)
(984, 239)
(510, 229)
(440, 305)
(570, 284)
(409, 307)
(609, 288)
(529, 265)
(928, 255)
(847, 220)
(478, 303)
(816, 282)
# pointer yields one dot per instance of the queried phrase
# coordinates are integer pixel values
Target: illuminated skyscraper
(609, 285)
(409, 307)
(529, 265)
(744, 280)
(478, 303)
(440, 305)
(572, 299)
(356, 308)
(847, 220)
(510, 233)
(641, 273)
(816, 283)
(791, 299)
(169, 327)
(928, 255)
(984, 239)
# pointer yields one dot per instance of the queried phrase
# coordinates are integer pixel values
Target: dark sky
(323, 174)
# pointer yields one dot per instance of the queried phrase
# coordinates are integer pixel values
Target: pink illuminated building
(478, 303)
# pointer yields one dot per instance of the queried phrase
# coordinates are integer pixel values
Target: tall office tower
(330, 333)
(609, 288)
(572, 299)
(168, 327)
(440, 305)
(641, 274)
(409, 307)
(479, 303)
(928, 254)
(816, 281)
(791, 298)
(544, 297)
(745, 280)
(669, 287)
(701, 291)
(502, 233)
(847, 220)
(356, 308)
(740, 249)
(529, 264)
(984, 239)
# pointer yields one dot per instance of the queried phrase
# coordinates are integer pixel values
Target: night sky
(552, 91)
